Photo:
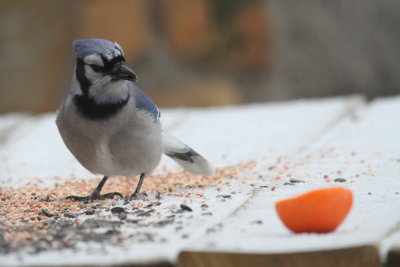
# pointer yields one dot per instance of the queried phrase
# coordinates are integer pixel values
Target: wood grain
(363, 256)
(393, 259)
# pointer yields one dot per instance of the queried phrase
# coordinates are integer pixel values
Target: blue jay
(110, 126)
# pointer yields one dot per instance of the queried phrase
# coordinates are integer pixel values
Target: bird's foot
(95, 196)
(136, 196)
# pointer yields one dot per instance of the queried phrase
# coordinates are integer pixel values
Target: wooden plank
(224, 135)
(363, 149)
(364, 256)
(8, 123)
(257, 131)
(393, 259)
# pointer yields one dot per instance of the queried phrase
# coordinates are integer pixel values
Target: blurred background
(204, 52)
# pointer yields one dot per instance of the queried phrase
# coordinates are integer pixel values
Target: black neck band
(92, 110)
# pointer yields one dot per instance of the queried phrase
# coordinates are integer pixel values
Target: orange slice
(318, 211)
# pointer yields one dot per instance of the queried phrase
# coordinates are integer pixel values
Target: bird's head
(100, 63)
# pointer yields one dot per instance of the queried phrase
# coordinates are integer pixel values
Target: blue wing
(145, 103)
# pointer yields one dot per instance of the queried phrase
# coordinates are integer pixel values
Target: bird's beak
(121, 71)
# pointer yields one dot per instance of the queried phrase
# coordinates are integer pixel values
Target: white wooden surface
(307, 139)
(363, 148)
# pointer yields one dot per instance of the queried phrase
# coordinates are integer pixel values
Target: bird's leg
(95, 195)
(136, 194)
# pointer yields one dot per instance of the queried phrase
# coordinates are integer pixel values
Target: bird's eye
(95, 67)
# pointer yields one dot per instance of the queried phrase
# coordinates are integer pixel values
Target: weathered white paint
(295, 132)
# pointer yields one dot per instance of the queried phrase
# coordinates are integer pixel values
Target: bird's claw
(111, 195)
(136, 196)
(95, 196)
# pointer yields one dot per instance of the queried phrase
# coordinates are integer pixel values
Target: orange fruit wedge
(318, 211)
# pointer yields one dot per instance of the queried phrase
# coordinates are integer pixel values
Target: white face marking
(94, 60)
(92, 75)
(103, 89)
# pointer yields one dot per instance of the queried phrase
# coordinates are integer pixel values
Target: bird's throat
(92, 110)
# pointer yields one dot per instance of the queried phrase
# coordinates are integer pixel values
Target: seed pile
(34, 218)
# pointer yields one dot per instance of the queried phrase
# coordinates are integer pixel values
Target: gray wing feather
(186, 157)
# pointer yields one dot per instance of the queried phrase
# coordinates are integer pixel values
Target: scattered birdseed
(294, 181)
(288, 183)
(133, 221)
(90, 211)
(153, 204)
(142, 213)
(47, 213)
(95, 206)
(224, 196)
(62, 224)
(163, 223)
(69, 215)
(48, 198)
(158, 196)
(340, 180)
(117, 210)
(122, 216)
(185, 207)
